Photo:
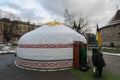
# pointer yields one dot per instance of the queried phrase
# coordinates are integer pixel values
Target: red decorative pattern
(45, 45)
(36, 64)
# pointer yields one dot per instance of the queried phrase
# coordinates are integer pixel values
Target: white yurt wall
(47, 48)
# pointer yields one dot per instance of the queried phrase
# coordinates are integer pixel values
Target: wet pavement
(8, 71)
(112, 61)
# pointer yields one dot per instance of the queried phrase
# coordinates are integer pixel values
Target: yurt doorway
(77, 53)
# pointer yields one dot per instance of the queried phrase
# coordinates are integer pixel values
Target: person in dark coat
(98, 61)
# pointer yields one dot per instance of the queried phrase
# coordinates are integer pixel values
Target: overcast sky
(40, 11)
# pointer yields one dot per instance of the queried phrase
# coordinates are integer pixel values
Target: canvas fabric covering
(48, 43)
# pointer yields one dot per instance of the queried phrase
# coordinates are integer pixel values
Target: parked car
(5, 44)
(5, 47)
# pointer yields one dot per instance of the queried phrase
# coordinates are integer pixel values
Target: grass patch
(111, 50)
(88, 75)
(108, 49)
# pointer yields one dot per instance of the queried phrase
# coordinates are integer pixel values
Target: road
(8, 71)
(112, 62)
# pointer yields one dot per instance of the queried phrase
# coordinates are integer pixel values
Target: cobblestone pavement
(8, 71)
(112, 62)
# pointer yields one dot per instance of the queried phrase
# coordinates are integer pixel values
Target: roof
(116, 17)
(115, 20)
(55, 34)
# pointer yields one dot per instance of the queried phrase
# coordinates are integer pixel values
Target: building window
(112, 44)
(119, 33)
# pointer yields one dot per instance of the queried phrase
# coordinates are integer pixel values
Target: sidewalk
(7, 51)
(112, 54)
(106, 53)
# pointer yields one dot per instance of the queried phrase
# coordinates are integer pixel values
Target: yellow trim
(53, 23)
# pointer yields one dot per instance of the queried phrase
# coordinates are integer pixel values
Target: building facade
(111, 35)
(18, 28)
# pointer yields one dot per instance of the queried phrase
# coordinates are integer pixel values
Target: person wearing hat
(98, 62)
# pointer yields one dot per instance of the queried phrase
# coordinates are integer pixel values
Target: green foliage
(88, 75)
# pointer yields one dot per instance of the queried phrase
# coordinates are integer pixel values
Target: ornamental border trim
(45, 45)
(44, 65)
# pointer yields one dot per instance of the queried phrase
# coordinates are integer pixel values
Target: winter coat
(97, 59)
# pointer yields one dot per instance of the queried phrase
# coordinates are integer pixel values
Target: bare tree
(8, 31)
(76, 22)
(7, 27)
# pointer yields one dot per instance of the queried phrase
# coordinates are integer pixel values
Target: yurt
(47, 48)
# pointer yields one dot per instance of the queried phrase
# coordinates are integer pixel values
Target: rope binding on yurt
(53, 23)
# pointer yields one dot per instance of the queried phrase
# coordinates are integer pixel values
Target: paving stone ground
(112, 62)
(8, 71)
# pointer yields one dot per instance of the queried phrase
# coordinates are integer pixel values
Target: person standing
(98, 61)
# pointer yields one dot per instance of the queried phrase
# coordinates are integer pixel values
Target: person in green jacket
(83, 58)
